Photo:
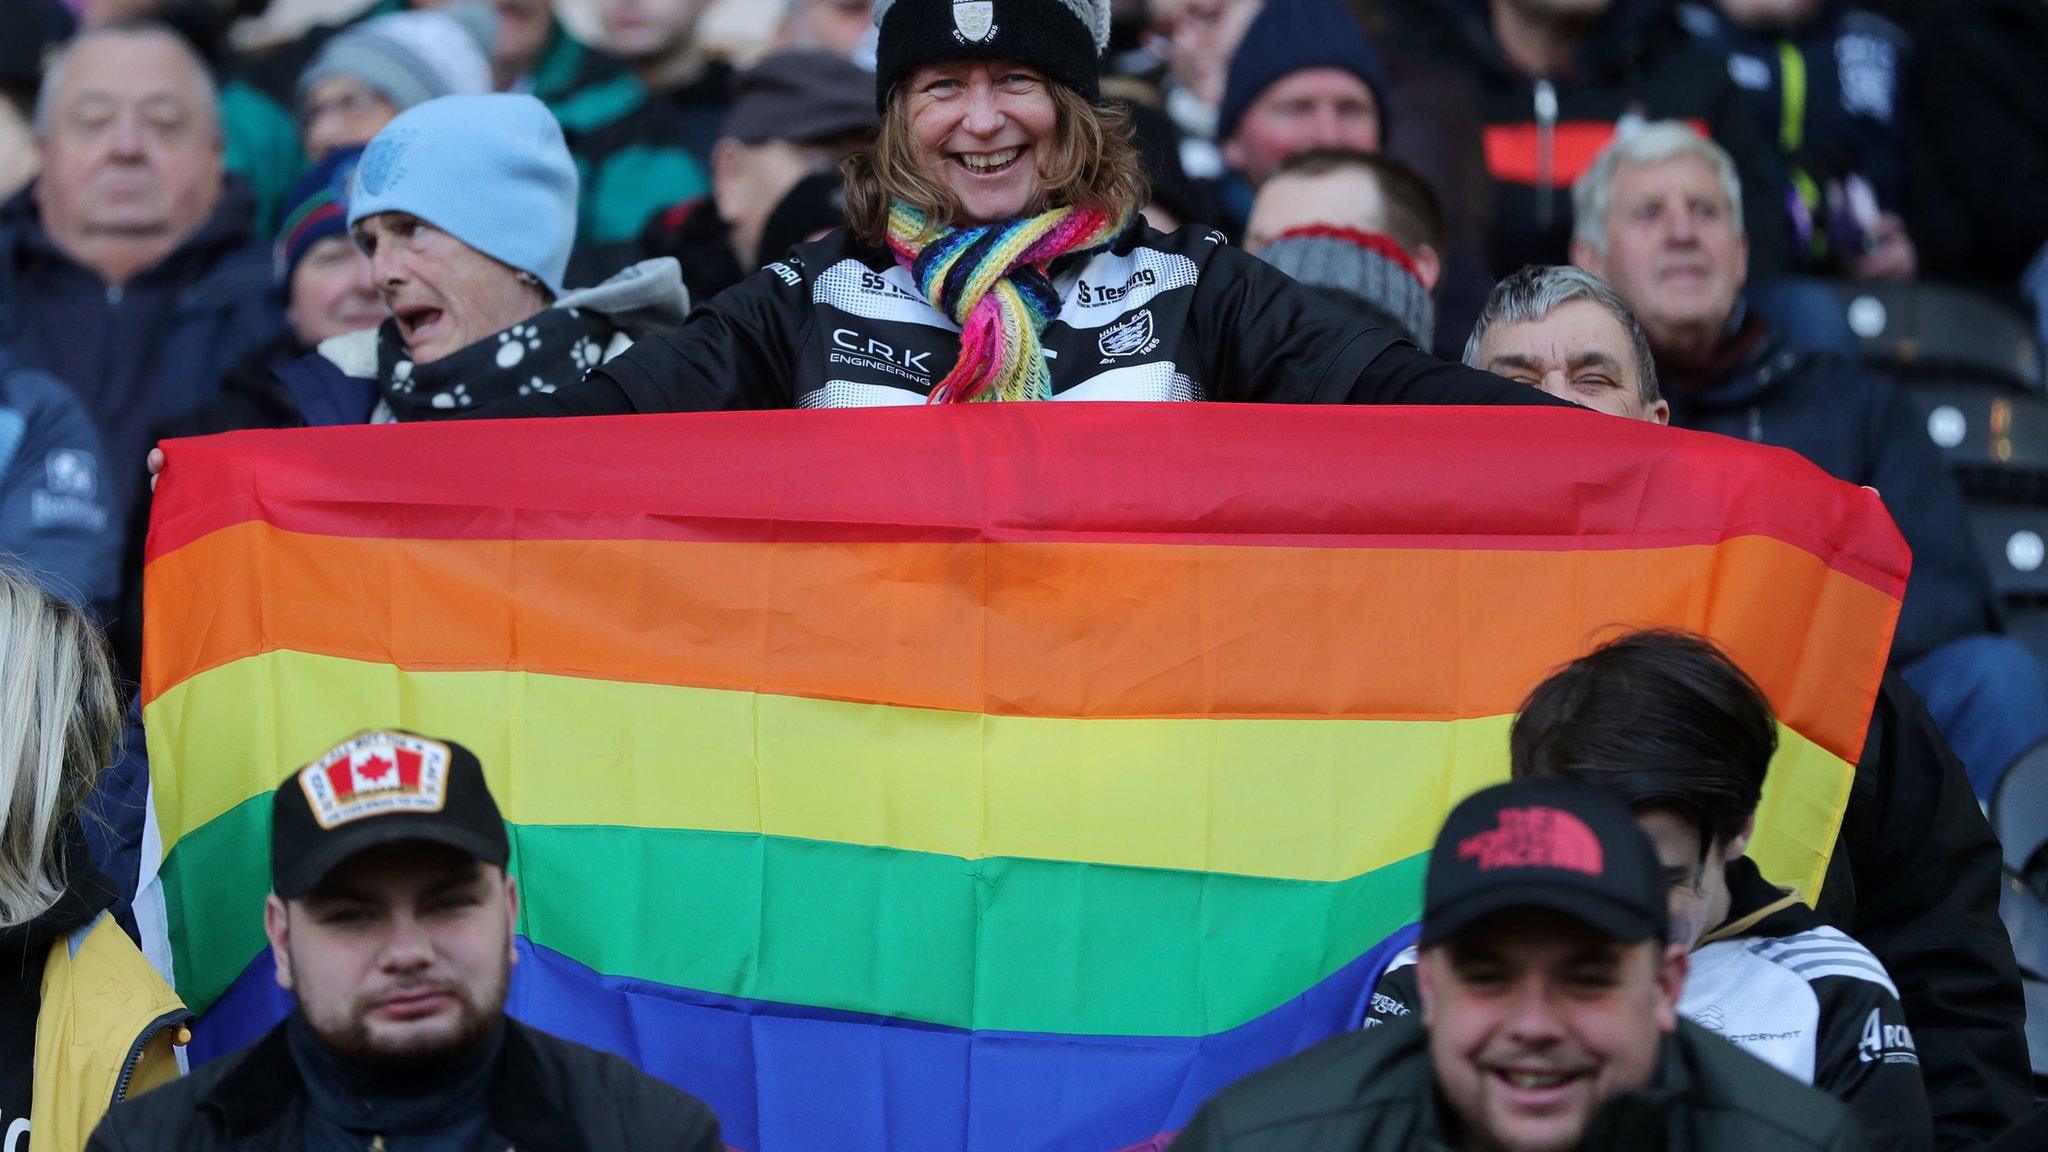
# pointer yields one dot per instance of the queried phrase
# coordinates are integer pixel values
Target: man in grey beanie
(373, 71)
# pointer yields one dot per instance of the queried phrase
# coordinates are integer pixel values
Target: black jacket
(1981, 136)
(547, 1095)
(1915, 878)
(1860, 427)
(1374, 1091)
(1778, 983)
(1541, 133)
(1156, 317)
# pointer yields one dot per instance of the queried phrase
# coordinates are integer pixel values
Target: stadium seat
(2019, 815)
(1923, 330)
(2012, 537)
(1992, 437)
(2026, 921)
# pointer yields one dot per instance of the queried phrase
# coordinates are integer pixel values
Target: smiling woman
(996, 252)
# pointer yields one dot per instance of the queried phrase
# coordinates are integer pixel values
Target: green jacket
(1373, 1091)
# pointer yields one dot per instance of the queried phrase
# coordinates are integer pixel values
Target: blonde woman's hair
(60, 724)
(1095, 164)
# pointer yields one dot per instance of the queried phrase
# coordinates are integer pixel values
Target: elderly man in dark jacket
(127, 270)
(1660, 216)
(1548, 1018)
(391, 920)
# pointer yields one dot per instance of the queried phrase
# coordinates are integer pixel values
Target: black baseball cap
(1557, 844)
(379, 787)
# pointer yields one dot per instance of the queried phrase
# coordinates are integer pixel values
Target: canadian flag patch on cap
(376, 773)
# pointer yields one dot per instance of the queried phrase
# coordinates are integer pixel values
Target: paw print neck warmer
(552, 349)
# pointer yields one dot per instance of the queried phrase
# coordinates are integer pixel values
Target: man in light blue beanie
(492, 171)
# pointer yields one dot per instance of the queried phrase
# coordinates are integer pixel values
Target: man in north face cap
(391, 922)
(1549, 989)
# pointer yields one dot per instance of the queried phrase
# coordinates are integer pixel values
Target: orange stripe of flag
(1068, 629)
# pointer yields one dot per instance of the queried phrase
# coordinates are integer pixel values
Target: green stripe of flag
(1001, 943)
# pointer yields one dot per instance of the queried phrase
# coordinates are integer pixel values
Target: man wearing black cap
(1549, 1019)
(391, 922)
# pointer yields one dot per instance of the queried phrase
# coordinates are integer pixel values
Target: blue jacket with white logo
(56, 517)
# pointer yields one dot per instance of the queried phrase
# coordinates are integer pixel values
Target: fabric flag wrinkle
(1036, 770)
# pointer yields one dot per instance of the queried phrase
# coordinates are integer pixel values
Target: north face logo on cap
(974, 20)
(1535, 838)
(376, 773)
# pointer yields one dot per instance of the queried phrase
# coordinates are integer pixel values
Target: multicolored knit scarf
(992, 281)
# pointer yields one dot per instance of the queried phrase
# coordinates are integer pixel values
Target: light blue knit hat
(491, 171)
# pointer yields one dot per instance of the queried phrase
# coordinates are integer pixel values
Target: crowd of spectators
(222, 214)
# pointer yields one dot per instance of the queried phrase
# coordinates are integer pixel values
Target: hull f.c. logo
(974, 20)
(1130, 336)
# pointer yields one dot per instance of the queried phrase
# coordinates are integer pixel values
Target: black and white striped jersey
(1180, 316)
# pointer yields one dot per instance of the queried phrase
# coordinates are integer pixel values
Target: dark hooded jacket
(1541, 133)
(1859, 427)
(151, 350)
(1375, 1091)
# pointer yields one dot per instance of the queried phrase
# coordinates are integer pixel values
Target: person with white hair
(1660, 217)
(85, 1022)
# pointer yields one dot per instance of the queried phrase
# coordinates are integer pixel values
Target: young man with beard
(1548, 1014)
(391, 922)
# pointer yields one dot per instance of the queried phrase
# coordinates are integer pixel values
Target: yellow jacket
(108, 1029)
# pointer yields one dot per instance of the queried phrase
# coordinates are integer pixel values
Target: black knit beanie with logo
(1065, 39)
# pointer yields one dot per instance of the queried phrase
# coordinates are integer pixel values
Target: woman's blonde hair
(60, 724)
(1095, 164)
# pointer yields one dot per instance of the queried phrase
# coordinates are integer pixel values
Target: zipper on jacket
(1546, 152)
(176, 1017)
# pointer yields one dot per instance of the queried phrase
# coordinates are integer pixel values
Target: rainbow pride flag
(985, 778)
